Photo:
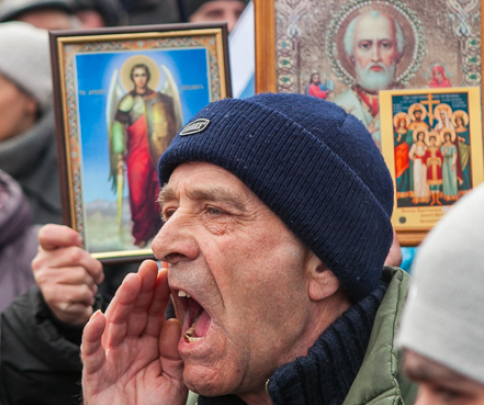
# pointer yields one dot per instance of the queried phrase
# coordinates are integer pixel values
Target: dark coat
(40, 355)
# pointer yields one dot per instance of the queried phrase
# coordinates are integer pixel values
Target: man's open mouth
(197, 320)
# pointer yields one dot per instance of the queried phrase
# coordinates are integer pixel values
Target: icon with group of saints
(432, 154)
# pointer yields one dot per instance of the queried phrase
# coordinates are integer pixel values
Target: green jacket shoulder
(380, 381)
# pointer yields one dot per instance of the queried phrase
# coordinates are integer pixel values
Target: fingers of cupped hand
(171, 362)
(169, 338)
(127, 315)
(92, 352)
(119, 310)
(156, 311)
(137, 320)
(71, 256)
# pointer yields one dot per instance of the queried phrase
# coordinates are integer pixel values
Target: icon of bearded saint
(141, 123)
(374, 43)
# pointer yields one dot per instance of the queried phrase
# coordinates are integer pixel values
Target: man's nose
(176, 240)
(376, 52)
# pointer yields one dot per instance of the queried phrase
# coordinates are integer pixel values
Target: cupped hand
(130, 354)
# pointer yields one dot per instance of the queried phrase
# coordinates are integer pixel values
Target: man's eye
(214, 211)
(167, 213)
(365, 45)
(387, 45)
(447, 396)
(215, 14)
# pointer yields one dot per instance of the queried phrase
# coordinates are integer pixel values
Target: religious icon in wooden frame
(121, 96)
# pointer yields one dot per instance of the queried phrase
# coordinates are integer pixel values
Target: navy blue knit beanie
(312, 164)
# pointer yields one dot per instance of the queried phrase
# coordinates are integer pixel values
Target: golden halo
(398, 117)
(461, 113)
(418, 131)
(444, 131)
(446, 108)
(413, 107)
(125, 73)
(437, 138)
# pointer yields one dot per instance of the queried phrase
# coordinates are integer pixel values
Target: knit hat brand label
(195, 127)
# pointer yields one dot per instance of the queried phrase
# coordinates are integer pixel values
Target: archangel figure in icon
(141, 124)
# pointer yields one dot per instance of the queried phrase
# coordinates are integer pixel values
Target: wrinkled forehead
(202, 180)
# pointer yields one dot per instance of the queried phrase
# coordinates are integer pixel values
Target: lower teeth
(188, 336)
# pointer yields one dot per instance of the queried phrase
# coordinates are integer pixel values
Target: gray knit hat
(24, 60)
(11, 9)
(444, 316)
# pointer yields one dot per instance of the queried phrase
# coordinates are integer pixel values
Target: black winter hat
(191, 6)
(110, 10)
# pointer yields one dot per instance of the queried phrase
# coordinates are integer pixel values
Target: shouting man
(277, 224)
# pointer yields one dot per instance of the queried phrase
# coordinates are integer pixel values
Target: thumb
(56, 236)
(171, 361)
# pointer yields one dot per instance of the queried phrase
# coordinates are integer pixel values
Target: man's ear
(322, 283)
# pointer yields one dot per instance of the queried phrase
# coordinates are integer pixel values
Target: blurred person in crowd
(47, 14)
(27, 139)
(152, 11)
(442, 328)
(18, 241)
(100, 13)
(202, 11)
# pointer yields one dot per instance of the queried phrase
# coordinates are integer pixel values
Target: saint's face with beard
(376, 47)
